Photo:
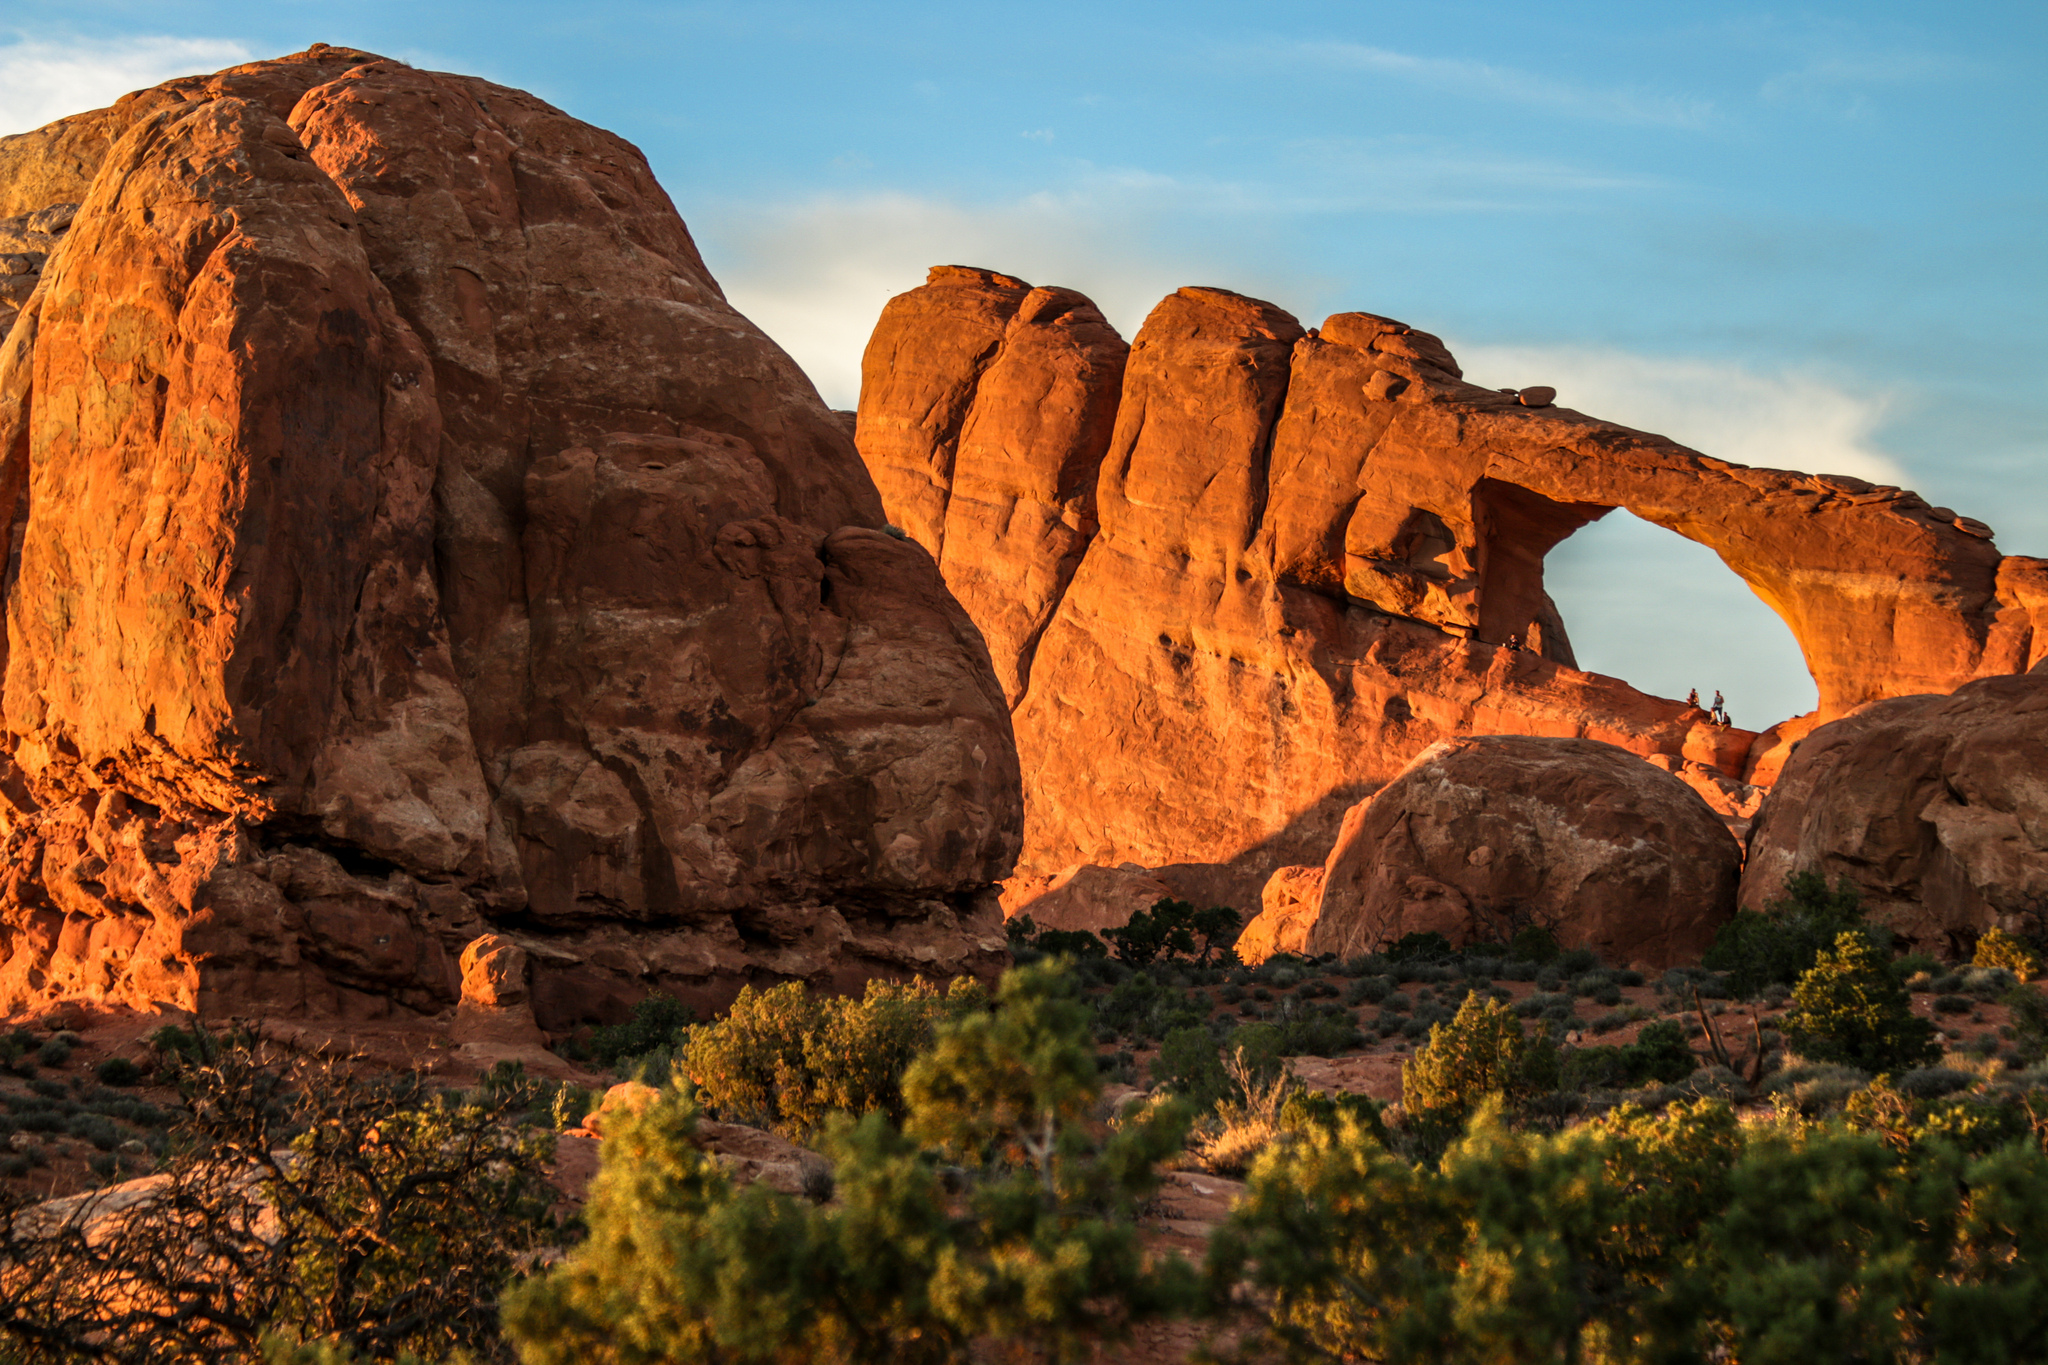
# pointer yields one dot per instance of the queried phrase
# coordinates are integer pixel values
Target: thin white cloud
(1482, 80)
(1842, 84)
(1788, 420)
(43, 80)
(815, 274)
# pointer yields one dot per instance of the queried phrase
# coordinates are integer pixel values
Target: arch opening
(1664, 614)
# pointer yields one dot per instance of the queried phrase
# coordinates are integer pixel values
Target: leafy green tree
(1534, 944)
(1659, 1053)
(1038, 1247)
(1165, 929)
(1850, 1008)
(1481, 1052)
(1753, 950)
(658, 1025)
(1170, 928)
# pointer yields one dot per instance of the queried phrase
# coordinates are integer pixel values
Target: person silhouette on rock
(1692, 699)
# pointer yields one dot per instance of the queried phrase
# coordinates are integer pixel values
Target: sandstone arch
(1309, 546)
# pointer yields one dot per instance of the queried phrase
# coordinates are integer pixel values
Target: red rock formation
(1480, 836)
(1085, 897)
(1933, 807)
(1009, 483)
(413, 540)
(1313, 546)
(1287, 914)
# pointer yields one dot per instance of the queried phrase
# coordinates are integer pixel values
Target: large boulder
(1086, 897)
(1304, 552)
(1287, 915)
(413, 544)
(1481, 836)
(1935, 808)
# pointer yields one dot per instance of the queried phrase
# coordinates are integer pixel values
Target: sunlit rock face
(1934, 808)
(1236, 578)
(412, 543)
(1483, 836)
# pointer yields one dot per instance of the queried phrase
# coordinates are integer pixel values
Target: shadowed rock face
(1935, 808)
(1309, 548)
(411, 541)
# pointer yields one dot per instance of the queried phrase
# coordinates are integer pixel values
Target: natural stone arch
(1666, 613)
(1306, 548)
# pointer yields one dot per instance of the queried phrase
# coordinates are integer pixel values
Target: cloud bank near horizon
(42, 80)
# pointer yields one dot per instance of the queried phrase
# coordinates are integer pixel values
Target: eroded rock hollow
(1237, 575)
(411, 541)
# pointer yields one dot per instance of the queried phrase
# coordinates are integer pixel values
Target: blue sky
(1802, 236)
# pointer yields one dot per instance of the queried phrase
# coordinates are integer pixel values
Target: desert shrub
(1368, 990)
(300, 1201)
(1534, 944)
(1305, 1109)
(54, 1052)
(1752, 950)
(1973, 1122)
(1577, 961)
(1996, 948)
(1815, 1087)
(1909, 965)
(1850, 1009)
(2029, 1011)
(1933, 1082)
(119, 1071)
(1190, 1065)
(1988, 983)
(1480, 1052)
(1175, 928)
(1029, 943)
(1315, 1030)
(785, 1058)
(1953, 1004)
(1036, 1245)
(1140, 1007)
(658, 1024)
(1658, 1055)
(1680, 1236)
(1420, 947)
(1247, 1120)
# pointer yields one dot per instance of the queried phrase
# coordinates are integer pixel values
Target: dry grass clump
(1242, 1128)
